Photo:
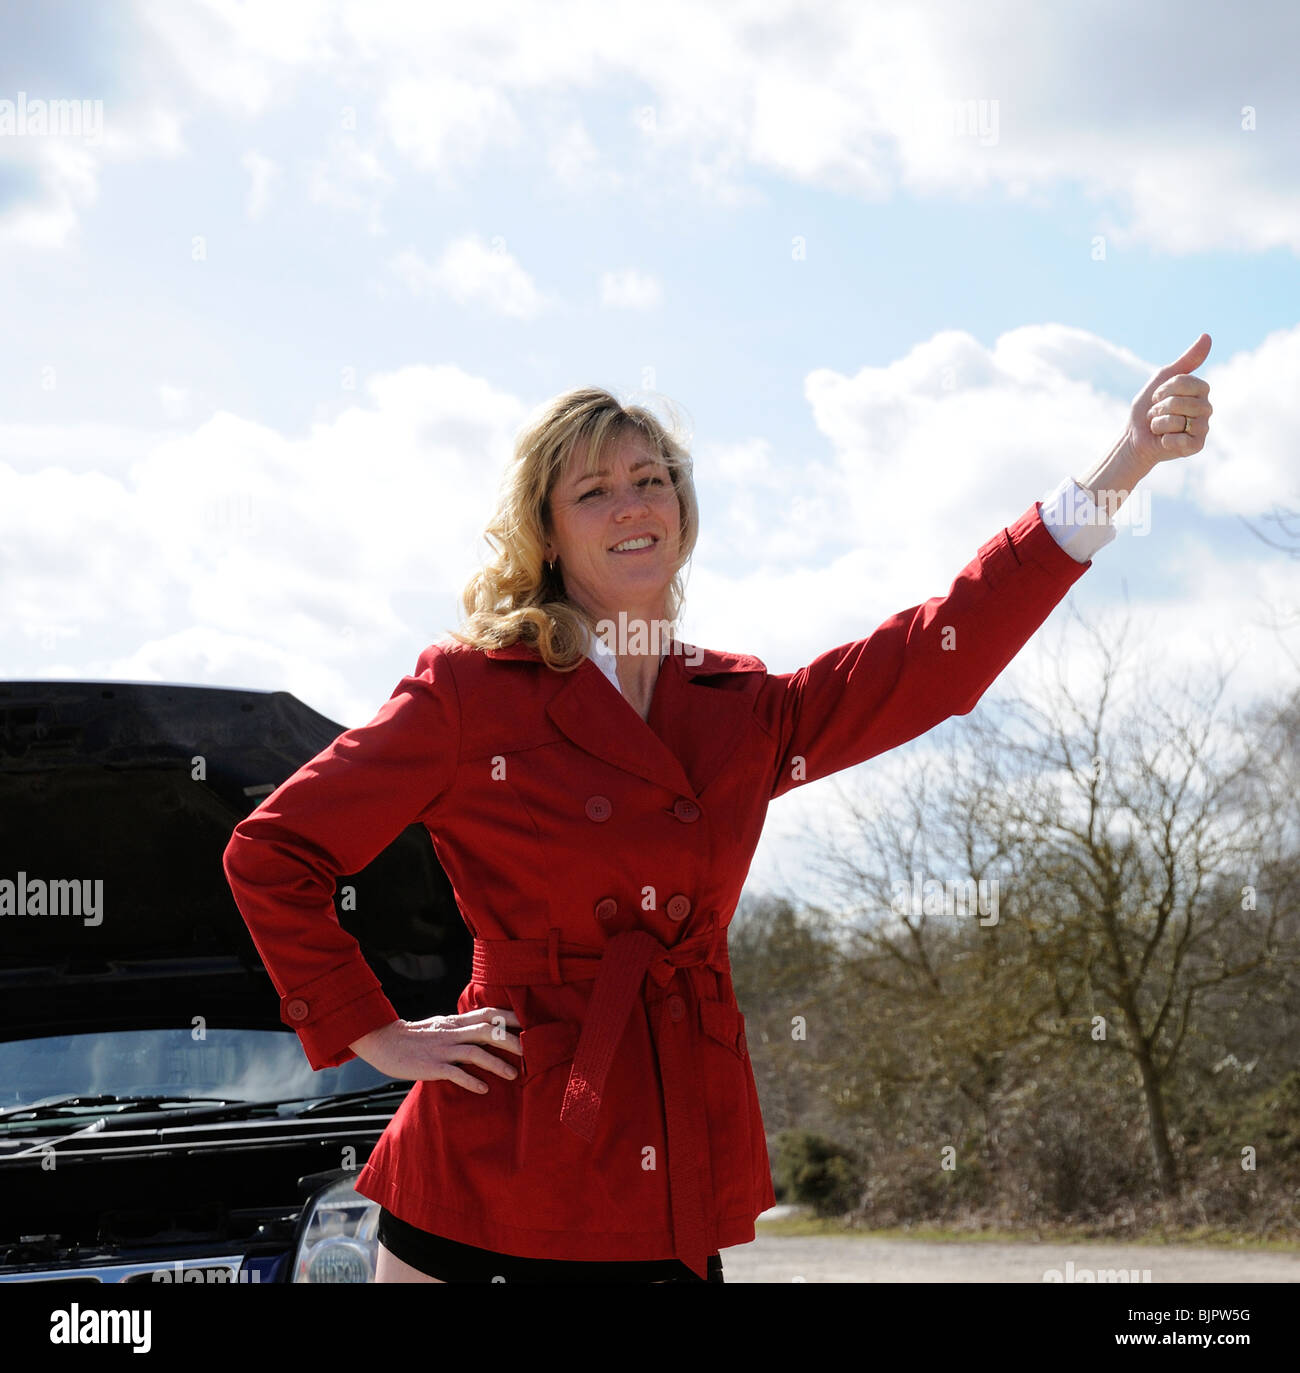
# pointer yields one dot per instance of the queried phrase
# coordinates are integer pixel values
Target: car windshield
(232, 1064)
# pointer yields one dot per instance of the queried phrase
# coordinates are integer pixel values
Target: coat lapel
(699, 718)
(692, 729)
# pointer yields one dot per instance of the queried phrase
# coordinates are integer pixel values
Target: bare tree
(1140, 858)
(781, 959)
(928, 989)
(1129, 853)
(1287, 524)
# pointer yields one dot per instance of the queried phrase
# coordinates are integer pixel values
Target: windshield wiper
(62, 1106)
(65, 1106)
(342, 1099)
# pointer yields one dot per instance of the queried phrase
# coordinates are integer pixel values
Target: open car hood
(137, 785)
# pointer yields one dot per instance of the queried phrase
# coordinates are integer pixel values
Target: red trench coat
(597, 860)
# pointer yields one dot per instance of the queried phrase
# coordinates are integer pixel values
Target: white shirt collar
(606, 659)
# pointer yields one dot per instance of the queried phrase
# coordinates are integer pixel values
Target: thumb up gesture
(1171, 415)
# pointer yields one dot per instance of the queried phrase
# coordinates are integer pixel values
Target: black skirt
(453, 1262)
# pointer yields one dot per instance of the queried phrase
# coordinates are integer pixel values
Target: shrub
(811, 1170)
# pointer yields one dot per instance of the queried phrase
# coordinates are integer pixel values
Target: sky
(286, 281)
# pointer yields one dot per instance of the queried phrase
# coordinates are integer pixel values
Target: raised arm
(937, 659)
(923, 664)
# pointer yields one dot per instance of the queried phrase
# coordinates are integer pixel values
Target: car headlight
(338, 1236)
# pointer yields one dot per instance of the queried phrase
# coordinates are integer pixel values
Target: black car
(158, 1121)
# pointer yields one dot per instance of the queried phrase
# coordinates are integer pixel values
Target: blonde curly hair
(516, 595)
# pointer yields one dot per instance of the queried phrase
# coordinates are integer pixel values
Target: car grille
(227, 1268)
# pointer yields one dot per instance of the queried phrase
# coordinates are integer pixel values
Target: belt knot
(619, 969)
(696, 952)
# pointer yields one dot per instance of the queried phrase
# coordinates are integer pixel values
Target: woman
(595, 789)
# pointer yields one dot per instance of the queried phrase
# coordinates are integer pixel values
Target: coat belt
(619, 967)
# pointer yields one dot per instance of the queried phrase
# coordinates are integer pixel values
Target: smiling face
(594, 519)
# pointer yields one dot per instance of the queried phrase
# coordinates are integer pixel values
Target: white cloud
(241, 57)
(630, 290)
(233, 549)
(201, 656)
(760, 511)
(975, 424)
(472, 272)
(875, 101)
(441, 122)
(940, 99)
(1248, 467)
(31, 447)
(66, 171)
(963, 437)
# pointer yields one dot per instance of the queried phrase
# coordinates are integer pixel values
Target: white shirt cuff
(1076, 521)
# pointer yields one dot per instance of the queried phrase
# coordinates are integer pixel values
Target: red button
(296, 1009)
(686, 810)
(606, 909)
(676, 1007)
(740, 1040)
(679, 907)
(598, 807)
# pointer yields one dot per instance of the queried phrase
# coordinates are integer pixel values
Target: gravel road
(845, 1259)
